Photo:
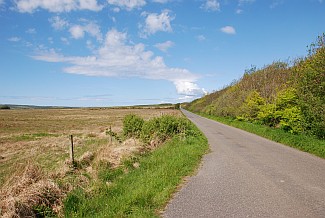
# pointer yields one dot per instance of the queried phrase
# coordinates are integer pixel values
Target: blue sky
(129, 52)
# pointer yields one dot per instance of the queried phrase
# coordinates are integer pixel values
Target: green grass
(32, 137)
(302, 142)
(143, 191)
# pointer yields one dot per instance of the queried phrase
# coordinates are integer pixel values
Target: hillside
(290, 97)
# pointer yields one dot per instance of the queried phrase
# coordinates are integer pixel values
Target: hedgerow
(278, 95)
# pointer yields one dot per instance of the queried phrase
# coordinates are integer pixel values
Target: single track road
(245, 175)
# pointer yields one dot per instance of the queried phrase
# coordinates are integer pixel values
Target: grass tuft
(29, 194)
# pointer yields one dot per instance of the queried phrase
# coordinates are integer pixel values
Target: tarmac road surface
(245, 175)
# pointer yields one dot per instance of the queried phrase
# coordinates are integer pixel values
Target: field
(41, 136)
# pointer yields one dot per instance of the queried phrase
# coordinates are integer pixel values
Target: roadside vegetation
(302, 142)
(281, 96)
(113, 155)
(144, 183)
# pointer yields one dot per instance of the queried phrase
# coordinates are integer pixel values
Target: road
(245, 175)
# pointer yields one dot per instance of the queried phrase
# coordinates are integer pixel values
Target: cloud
(156, 22)
(200, 38)
(161, 1)
(276, 3)
(58, 23)
(2, 2)
(31, 31)
(14, 39)
(116, 9)
(164, 46)
(29, 6)
(239, 11)
(117, 58)
(211, 5)
(241, 2)
(78, 31)
(228, 30)
(127, 4)
(188, 88)
(91, 5)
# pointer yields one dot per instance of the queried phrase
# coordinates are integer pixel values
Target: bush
(268, 115)
(286, 98)
(4, 107)
(252, 105)
(285, 113)
(165, 127)
(132, 125)
(159, 129)
(291, 120)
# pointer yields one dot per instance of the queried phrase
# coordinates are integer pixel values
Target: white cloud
(211, 5)
(239, 11)
(161, 1)
(31, 31)
(117, 58)
(65, 40)
(14, 39)
(58, 23)
(228, 30)
(90, 5)
(200, 38)
(276, 3)
(127, 4)
(246, 1)
(156, 22)
(116, 9)
(188, 88)
(2, 2)
(30, 6)
(78, 31)
(164, 46)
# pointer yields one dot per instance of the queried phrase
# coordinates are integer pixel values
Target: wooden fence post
(110, 135)
(71, 151)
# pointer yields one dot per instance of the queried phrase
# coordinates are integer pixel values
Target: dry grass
(27, 190)
(43, 135)
(41, 139)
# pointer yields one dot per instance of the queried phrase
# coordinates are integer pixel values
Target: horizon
(109, 53)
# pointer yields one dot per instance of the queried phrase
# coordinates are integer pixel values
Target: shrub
(286, 98)
(165, 127)
(252, 105)
(291, 120)
(268, 115)
(4, 107)
(132, 125)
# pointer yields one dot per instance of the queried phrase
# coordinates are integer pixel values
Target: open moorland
(41, 136)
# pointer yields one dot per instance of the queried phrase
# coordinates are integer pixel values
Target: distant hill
(279, 95)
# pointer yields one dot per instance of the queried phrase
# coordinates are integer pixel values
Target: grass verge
(302, 142)
(140, 191)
